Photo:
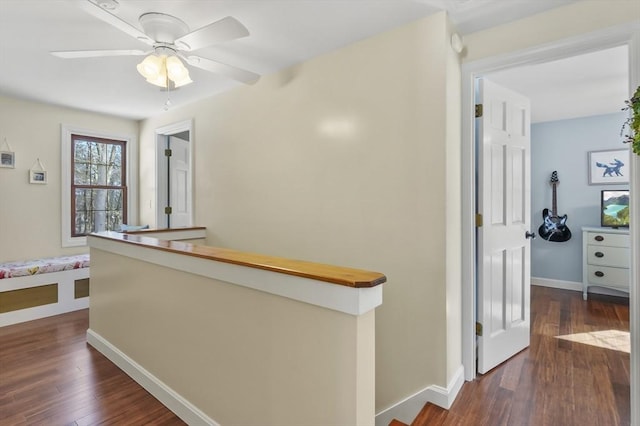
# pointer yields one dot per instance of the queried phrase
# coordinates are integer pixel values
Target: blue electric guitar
(554, 228)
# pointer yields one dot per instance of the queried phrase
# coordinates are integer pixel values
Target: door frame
(626, 34)
(161, 166)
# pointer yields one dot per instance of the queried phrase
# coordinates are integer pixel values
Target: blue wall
(563, 146)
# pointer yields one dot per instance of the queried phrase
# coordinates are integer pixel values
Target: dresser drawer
(609, 277)
(604, 239)
(608, 256)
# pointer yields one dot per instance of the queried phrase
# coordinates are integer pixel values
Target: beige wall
(241, 356)
(30, 215)
(344, 159)
(564, 22)
(453, 182)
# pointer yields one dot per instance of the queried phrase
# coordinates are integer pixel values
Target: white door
(503, 291)
(174, 186)
(179, 193)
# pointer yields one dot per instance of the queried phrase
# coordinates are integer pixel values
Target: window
(98, 185)
(99, 182)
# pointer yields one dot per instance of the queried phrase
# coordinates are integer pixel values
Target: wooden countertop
(156, 230)
(348, 277)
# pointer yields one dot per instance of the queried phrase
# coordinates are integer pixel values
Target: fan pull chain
(167, 104)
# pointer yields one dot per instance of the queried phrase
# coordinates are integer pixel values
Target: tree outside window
(98, 185)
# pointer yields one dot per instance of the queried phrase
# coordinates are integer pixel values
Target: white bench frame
(65, 280)
(66, 295)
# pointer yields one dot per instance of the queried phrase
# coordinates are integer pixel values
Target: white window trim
(132, 178)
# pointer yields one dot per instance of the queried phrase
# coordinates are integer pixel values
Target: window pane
(98, 210)
(81, 160)
(114, 175)
(81, 174)
(97, 153)
(100, 174)
(81, 151)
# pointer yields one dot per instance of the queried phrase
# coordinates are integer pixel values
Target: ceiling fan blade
(225, 29)
(100, 13)
(75, 54)
(241, 75)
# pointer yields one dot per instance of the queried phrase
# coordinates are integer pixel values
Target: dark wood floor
(50, 376)
(554, 382)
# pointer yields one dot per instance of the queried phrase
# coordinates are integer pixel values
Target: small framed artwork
(610, 167)
(7, 159)
(37, 173)
(37, 176)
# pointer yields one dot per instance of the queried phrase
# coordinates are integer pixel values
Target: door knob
(531, 235)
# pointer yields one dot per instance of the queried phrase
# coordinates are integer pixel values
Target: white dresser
(605, 259)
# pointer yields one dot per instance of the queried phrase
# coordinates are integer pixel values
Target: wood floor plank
(50, 376)
(554, 381)
(512, 372)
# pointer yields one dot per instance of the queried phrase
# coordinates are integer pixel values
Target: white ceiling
(590, 84)
(283, 33)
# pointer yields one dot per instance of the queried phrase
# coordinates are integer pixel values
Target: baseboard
(575, 286)
(38, 312)
(564, 285)
(408, 409)
(163, 393)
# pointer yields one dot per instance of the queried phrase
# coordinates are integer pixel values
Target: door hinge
(478, 220)
(167, 153)
(478, 110)
(478, 329)
(167, 210)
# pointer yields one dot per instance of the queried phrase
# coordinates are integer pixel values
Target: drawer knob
(599, 274)
(599, 254)
(599, 238)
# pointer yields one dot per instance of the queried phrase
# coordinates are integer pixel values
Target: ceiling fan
(170, 39)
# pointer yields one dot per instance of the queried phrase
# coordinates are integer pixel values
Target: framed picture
(609, 167)
(37, 176)
(7, 159)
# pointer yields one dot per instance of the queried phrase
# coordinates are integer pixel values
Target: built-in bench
(40, 288)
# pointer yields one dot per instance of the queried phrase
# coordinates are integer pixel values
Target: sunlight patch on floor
(608, 339)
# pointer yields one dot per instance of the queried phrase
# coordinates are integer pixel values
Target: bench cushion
(43, 266)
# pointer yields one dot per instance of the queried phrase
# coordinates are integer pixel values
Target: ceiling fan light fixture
(160, 80)
(159, 69)
(170, 38)
(151, 66)
(177, 72)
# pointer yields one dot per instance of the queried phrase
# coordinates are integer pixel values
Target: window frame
(67, 164)
(74, 186)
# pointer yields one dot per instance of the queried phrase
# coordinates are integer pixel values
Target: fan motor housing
(163, 28)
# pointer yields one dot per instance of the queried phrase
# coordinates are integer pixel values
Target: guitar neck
(554, 201)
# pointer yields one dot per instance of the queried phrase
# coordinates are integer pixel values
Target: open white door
(504, 185)
(174, 165)
(179, 191)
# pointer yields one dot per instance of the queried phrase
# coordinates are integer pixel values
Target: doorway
(471, 71)
(174, 175)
